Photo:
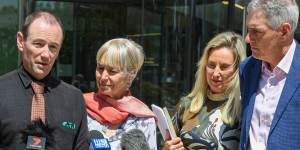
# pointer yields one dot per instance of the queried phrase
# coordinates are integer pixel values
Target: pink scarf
(107, 110)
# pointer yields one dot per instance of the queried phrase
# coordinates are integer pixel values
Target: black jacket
(65, 112)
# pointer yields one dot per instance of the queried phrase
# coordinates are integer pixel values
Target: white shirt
(267, 97)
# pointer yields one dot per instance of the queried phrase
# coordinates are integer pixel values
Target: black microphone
(97, 141)
(134, 139)
(37, 135)
(95, 134)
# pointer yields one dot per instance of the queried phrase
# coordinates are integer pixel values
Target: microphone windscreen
(134, 139)
(38, 128)
(95, 134)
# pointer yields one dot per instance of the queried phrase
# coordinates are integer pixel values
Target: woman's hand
(172, 144)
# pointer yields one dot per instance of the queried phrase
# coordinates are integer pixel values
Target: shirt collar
(26, 79)
(285, 63)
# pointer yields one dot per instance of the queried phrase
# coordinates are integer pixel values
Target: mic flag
(134, 139)
(35, 142)
(98, 142)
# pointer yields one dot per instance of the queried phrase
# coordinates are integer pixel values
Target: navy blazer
(285, 128)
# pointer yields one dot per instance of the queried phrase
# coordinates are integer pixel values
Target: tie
(38, 102)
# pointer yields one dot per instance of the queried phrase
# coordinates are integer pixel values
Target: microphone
(37, 135)
(98, 142)
(134, 139)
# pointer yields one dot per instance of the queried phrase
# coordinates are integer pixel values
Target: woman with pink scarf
(112, 110)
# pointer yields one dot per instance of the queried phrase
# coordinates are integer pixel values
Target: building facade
(173, 34)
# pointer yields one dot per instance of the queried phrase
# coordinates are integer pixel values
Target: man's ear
(20, 41)
(285, 30)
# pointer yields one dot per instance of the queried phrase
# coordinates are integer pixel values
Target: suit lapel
(253, 81)
(291, 84)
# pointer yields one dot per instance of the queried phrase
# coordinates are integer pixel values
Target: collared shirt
(64, 112)
(267, 97)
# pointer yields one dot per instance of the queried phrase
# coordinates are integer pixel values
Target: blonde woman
(208, 117)
(112, 110)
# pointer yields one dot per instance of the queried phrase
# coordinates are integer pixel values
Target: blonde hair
(231, 111)
(122, 53)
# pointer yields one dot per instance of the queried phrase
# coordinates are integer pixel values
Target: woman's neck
(217, 96)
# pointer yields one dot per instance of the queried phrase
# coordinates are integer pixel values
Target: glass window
(173, 34)
(8, 31)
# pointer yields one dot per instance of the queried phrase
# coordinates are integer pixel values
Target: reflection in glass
(172, 33)
(8, 31)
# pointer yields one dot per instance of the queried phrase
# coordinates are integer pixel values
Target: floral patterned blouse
(147, 125)
(205, 129)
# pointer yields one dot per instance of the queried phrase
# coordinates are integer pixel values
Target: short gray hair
(123, 53)
(277, 11)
